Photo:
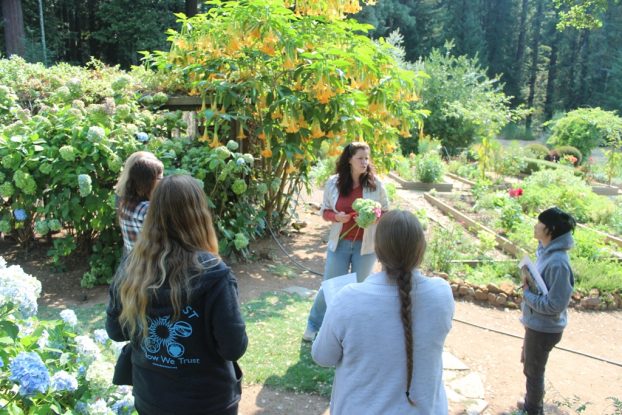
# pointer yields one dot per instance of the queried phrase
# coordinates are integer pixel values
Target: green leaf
(9, 329)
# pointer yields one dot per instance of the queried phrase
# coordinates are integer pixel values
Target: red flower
(515, 192)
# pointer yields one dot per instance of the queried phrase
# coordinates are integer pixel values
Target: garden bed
(508, 295)
(420, 186)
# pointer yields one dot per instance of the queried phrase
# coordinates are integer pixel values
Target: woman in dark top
(177, 302)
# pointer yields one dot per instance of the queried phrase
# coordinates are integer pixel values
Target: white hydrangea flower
(99, 407)
(19, 288)
(87, 348)
(69, 317)
(99, 375)
(44, 339)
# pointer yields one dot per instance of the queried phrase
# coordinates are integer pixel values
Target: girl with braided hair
(386, 337)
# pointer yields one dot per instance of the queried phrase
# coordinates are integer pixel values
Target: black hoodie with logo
(188, 365)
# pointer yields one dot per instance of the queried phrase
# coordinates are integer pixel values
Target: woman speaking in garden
(386, 336)
(350, 246)
(177, 302)
(545, 313)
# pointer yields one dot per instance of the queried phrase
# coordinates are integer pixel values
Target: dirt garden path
(571, 377)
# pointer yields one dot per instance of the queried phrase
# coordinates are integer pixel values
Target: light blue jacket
(548, 313)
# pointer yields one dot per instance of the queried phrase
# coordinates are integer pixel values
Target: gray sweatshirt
(548, 313)
(362, 335)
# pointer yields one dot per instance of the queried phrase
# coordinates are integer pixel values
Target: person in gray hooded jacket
(545, 315)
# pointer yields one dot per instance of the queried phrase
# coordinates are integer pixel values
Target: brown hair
(141, 180)
(344, 182)
(125, 172)
(178, 227)
(400, 247)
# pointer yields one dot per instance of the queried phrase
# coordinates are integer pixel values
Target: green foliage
(569, 151)
(538, 151)
(465, 104)
(613, 165)
(64, 161)
(322, 170)
(515, 131)
(230, 183)
(429, 167)
(290, 82)
(512, 160)
(495, 272)
(585, 129)
(562, 188)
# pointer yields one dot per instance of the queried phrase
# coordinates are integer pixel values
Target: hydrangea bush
(65, 134)
(230, 182)
(46, 367)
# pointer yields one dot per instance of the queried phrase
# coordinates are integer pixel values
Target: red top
(344, 204)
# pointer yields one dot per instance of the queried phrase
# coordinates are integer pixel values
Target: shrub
(585, 129)
(429, 168)
(538, 151)
(60, 165)
(46, 366)
(290, 81)
(569, 151)
(465, 104)
(230, 183)
(560, 187)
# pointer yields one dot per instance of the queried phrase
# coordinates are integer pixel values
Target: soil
(587, 369)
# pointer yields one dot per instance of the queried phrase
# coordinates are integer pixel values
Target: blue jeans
(536, 348)
(347, 258)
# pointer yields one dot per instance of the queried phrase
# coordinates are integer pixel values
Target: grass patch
(276, 354)
(90, 317)
(281, 270)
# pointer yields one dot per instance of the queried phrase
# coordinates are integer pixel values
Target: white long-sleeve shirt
(362, 335)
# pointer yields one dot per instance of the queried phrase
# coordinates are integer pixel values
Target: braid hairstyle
(400, 247)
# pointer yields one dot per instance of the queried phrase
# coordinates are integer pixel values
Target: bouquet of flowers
(367, 213)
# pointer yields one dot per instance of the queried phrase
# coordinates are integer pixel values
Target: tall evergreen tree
(464, 26)
(536, 26)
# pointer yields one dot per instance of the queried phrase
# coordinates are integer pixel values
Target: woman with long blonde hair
(386, 336)
(177, 302)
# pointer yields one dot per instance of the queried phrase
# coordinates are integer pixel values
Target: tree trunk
(13, 27)
(520, 51)
(551, 77)
(535, 47)
(192, 7)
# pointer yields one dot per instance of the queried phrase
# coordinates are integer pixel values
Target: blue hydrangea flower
(142, 136)
(20, 215)
(29, 371)
(124, 406)
(69, 317)
(63, 381)
(100, 336)
(1, 363)
(240, 161)
(81, 408)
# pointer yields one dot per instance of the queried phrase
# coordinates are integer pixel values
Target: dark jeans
(536, 348)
